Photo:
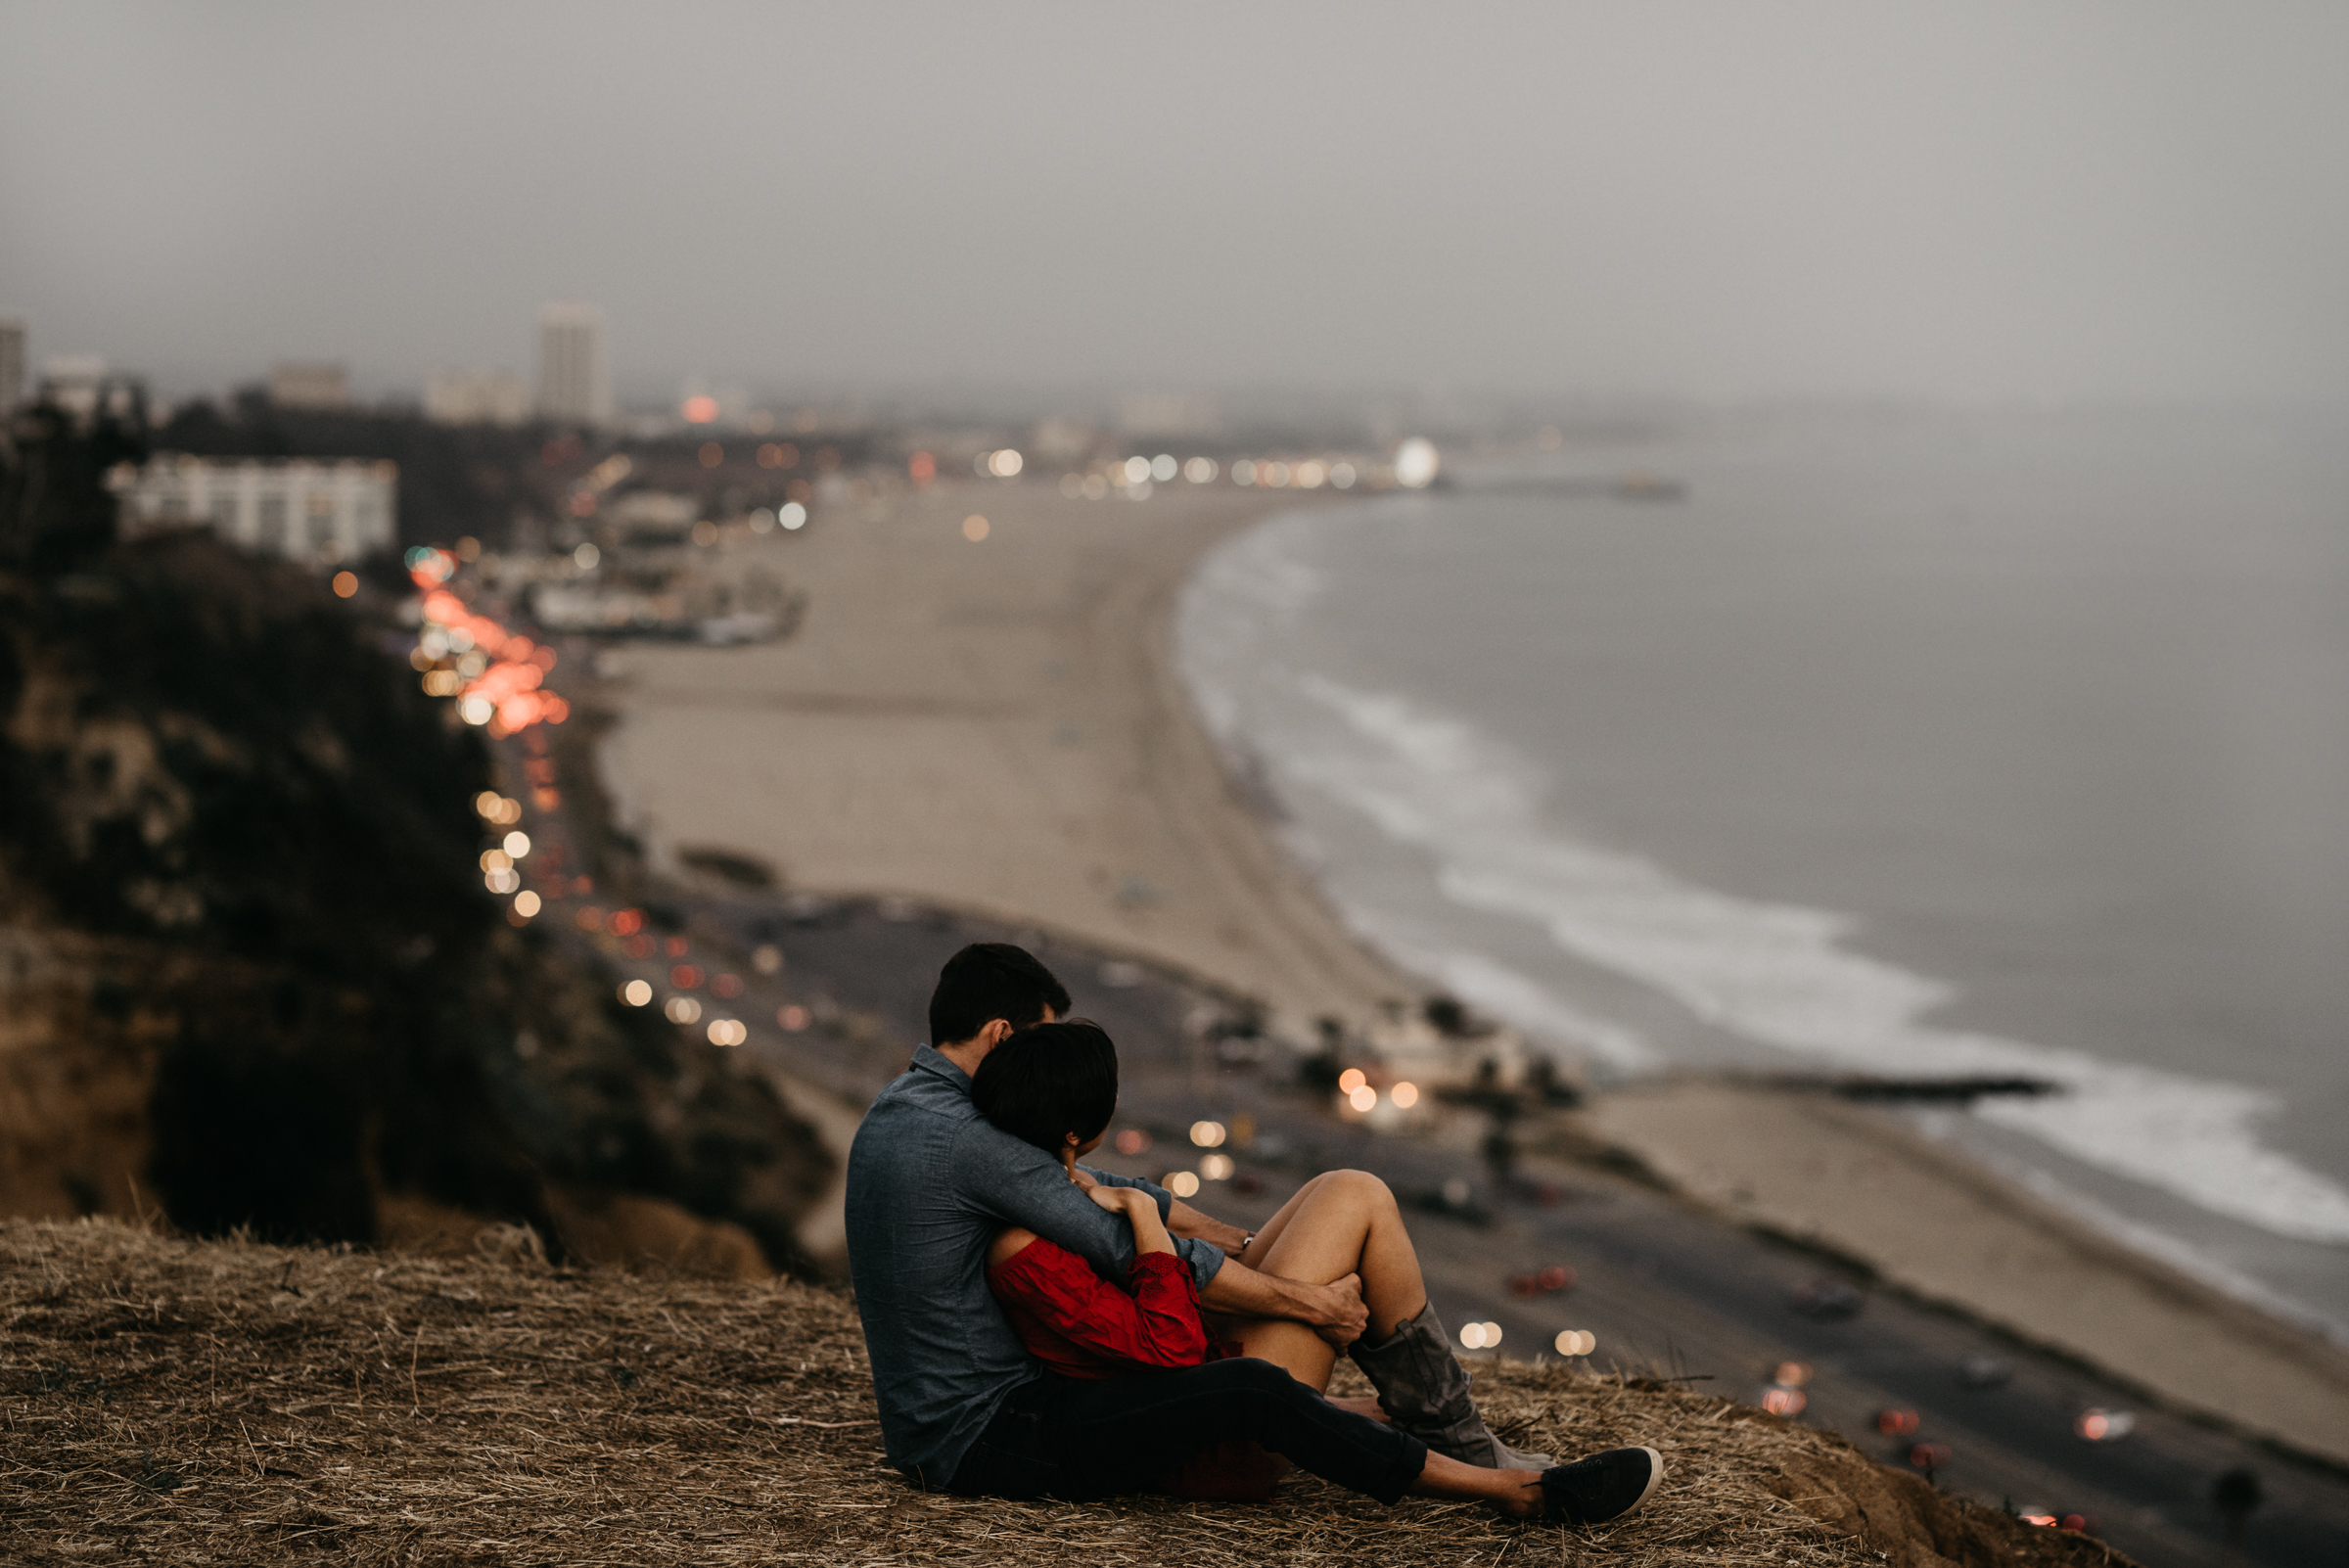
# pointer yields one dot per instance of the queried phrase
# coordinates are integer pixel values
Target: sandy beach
(991, 726)
(998, 726)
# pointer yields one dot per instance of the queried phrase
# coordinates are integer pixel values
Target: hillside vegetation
(249, 971)
(190, 1401)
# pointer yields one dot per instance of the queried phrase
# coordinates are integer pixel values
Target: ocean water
(1917, 744)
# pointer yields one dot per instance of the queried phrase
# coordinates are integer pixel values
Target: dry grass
(187, 1402)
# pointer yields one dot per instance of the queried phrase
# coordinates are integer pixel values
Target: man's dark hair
(990, 980)
(1045, 1083)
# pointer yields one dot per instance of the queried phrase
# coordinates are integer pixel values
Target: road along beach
(997, 725)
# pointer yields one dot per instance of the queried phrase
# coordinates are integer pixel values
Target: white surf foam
(1779, 974)
(1495, 989)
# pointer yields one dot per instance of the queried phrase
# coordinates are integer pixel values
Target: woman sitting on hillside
(1055, 1086)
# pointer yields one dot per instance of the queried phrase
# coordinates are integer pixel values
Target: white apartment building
(575, 380)
(476, 397)
(321, 509)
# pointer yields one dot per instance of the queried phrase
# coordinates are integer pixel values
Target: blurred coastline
(1002, 727)
(1922, 743)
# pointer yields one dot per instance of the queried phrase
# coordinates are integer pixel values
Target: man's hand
(1334, 1310)
(1341, 1317)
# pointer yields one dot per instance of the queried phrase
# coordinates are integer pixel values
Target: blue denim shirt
(931, 1181)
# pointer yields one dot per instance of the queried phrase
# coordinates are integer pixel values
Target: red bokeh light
(700, 410)
(684, 977)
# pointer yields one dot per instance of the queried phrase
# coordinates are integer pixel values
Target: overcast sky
(1742, 198)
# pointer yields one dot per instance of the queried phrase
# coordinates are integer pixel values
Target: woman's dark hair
(986, 981)
(1045, 1083)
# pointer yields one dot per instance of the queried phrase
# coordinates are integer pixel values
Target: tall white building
(322, 510)
(575, 380)
(476, 397)
(12, 364)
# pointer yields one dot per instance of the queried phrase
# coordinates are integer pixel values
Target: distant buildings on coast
(308, 384)
(476, 397)
(317, 512)
(85, 390)
(574, 379)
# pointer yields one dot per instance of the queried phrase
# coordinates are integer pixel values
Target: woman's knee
(1360, 1188)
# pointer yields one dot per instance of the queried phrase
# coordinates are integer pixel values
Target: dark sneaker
(1603, 1486)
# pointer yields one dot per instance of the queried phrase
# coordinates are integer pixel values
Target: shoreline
(1003, 729)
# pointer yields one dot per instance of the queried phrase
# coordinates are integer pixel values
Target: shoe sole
(1655, 1479)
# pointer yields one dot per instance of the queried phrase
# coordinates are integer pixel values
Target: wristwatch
(1244, 1240)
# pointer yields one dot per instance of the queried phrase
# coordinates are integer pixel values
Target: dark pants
(1062, 1437)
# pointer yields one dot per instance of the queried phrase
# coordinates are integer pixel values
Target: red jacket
(1080, 1325)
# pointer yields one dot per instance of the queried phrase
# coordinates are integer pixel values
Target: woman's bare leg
(1341, 1223)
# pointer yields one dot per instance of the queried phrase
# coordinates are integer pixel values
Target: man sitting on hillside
(931, 1183)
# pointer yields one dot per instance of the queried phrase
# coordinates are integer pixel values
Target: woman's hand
(1117, 1200)
(1085, 1181)
(1140, 1211)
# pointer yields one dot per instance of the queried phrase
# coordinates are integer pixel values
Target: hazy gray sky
(1731, 199)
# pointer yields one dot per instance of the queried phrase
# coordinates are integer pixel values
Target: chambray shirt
(931, 1181)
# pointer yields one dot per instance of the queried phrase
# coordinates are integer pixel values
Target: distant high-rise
(12, 364)
(575, 382)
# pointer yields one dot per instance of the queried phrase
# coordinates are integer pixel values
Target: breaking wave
(1778, 974)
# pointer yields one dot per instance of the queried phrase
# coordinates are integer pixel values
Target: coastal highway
(1668, 1290)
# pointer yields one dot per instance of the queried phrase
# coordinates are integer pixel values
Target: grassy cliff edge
(226, 1401)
